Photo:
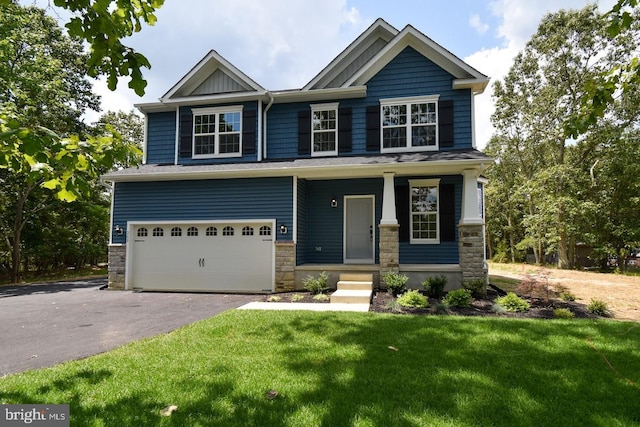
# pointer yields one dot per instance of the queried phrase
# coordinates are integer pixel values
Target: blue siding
(301, 232)
(408, 74)
(325, 224)
(445, 252)
(253, 105)
(205, 200)
(161, 138)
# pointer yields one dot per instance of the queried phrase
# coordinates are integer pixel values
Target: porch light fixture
(283, 229)
(119, 231)
(334, 202)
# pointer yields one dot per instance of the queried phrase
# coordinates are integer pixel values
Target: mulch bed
(382, 303)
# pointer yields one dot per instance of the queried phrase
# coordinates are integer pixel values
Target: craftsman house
(370, 167)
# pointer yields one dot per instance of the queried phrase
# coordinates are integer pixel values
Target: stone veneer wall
(285, 266)
(389, 248)
(472, 262)
(117, 265)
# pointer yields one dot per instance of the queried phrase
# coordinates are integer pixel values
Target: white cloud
(476, 23)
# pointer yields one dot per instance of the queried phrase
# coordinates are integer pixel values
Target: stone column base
(389, 248)
(285, 266)
(472, 262)
(117, 266)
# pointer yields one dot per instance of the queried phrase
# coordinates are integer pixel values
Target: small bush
(297, 297)
(563, 313)
(567, 296)
(274, 298)
(316, 285)
(598, 307)
(441, 308)
(498, 309)
(396, 283)
(477, 287)
(321, 297)
(458, 298)
(435, 286)
(532, 287)
(393, 305)
(413, 298)
(512, 302)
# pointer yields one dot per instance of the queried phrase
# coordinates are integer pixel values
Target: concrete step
(355, 285)
(356, 277)
(343, 296)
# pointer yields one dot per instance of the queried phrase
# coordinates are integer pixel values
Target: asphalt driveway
(45, 324)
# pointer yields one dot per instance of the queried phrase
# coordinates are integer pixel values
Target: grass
(354, 369)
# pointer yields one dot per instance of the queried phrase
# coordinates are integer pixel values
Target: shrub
(458, 298)
(477, 287)
(296, 297)
(396, 283)
(321, 297)
(441, 308)
(274, 298)
(598, 307)
(435, 286)
(316, 285)
(393, 305)
(413, 298)
(567, 296)
(532, 287)
(512, 302)
(563, 313)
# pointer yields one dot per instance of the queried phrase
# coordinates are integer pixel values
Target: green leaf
(66, 195)
(52, 184)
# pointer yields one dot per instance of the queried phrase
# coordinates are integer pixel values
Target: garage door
(234, 256)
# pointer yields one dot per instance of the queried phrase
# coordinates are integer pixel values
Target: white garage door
(234, 256)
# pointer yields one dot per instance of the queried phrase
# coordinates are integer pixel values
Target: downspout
(271, 99)
(259, 129)
(175, 161)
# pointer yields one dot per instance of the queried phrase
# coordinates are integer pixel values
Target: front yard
(305, 368)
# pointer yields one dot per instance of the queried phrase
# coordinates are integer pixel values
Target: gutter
(263, 141)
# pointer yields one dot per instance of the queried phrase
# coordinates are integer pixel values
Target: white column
(470, 206)
(388, 200)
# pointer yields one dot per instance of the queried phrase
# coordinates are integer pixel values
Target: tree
(130, 126)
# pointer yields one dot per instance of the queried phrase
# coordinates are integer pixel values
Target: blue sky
(282, 44)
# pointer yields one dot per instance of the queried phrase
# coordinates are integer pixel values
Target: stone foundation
(471, 247)
(285, 266)
(117, 266)
(389, 248)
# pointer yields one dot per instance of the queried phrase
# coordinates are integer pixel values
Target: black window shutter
(186, 132)
(248, 131)
(373, 128)
(447, 213)
(445, 123)
(304, 132)
(402, 212)
(344, 130)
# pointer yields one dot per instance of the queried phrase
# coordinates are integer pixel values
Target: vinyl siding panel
(205, 200)
(282, 130)
(161, 138)
(301, 232)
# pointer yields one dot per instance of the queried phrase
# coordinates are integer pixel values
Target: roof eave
(320, 94)
(476, 85)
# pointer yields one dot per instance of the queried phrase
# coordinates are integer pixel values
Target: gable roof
(212, 75)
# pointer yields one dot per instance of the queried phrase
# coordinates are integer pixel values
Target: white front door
(359, 233)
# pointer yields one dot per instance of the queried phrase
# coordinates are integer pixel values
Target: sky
(283, 44)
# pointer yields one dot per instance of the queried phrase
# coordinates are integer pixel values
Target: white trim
(329, 94)
(217, 110)
(113, 192)
(144, 138)
(434, 182)
(388, 200)
(473, 121)
(333, 106)
(294, 232)
(177, 143)
(408, 102)
(259, 132)
(410, 99)
(372, 260)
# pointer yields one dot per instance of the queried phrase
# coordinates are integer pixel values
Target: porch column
(388, 200)
(285, 265)
(389, 246)
(471, 231)
(470, 205)
(117, 265)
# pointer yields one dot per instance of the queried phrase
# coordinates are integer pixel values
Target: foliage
(563, 313)
(274, 298)
(477, 287)
(396, 283)
(512, 302)
(532, 287)
(567, 296)
(316, 285)
(413, 298)
(458, 298)
(598, 307)
(435, 286)
(297, 297)
(321, 297)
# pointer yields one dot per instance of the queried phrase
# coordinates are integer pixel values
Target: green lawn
(361, 369)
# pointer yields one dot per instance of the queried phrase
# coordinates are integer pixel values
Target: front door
(359, 233)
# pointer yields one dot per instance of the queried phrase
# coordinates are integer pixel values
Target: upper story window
(409, 124)
(425, 217)
(217, 132)
(324, 129)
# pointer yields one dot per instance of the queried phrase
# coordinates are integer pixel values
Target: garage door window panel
(142, 232)
(211, 231)
(176, 232)
(158, 232)
(228, 231)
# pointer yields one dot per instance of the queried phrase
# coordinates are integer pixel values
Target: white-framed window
(192, 231)
(324, 129)
(158, 232)
(217, 132)
(247, 231)
(424, 211)
(211, 231)
(228, 231)
(142, 232)
(409, 124)
(265, 230)
(176, 232)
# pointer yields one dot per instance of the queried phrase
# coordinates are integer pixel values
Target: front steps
(353, 288)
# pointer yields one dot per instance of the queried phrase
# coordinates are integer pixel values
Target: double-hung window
(424, 210)
(409, 124)
(217, 132)
(324, 129)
